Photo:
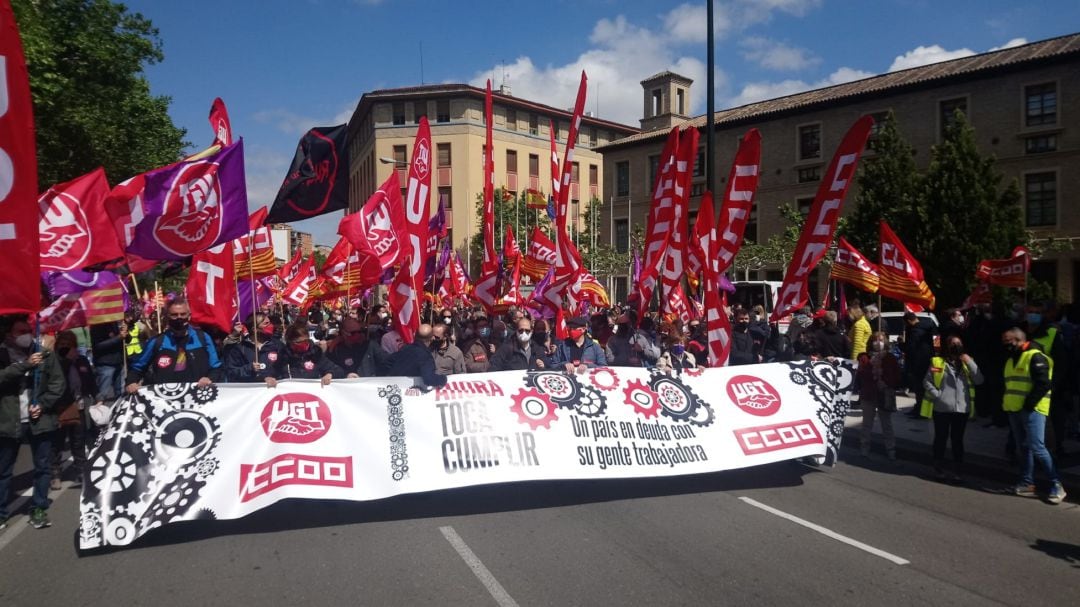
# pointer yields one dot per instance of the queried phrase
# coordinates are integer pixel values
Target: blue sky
(283, 66)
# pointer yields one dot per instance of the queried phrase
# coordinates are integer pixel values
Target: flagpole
(157, 307)
(135, 284)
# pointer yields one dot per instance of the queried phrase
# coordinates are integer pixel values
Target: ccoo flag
(318, 179)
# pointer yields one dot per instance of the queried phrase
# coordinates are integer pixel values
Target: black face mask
(1013, 348)
(742, 326)
(178, 325)
(540, 336)
(955, 350)
(63, 352)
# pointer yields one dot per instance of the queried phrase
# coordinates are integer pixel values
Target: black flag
(318, 179)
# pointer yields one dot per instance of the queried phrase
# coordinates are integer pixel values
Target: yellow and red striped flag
(854, 268)
(901, 276)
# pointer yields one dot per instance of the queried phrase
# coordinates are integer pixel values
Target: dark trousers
(949, 427)
(74, 436)
(1060, 408)
(41, 449)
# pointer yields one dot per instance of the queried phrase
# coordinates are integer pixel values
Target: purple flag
(538, 305)
(263, 292)
(436, 230)
(725, 284)
(637, 267)
(77, 281)
(193, 206)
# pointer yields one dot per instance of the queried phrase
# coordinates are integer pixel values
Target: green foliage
(511, 211)
(776, 250)
(92, 103)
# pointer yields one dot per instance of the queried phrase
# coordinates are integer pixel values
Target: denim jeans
(1029, 428)
(41, 449)
(110, 382)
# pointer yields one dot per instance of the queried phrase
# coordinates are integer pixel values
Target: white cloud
(686, 23)
(778, 56)
(759, 91)
(1010, 44)
(925, 55)
(293, 123)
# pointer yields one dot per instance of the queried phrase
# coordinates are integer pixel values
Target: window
(594, 174)
(1040, 104)
(680, 99)
(948, 112)
(809, 141)
(697, 189)
(810, 174)
(446, 198)
(534, 165)
(444, 154)
(399, 157)
(511, 119)
(751, 235)
(399, 113)
(593, 141)
(622, 178)
(575, 173)
(1040, 195)
(534, 125)
(622, 236)
(699, 162)
(802, 205)
(419, 111)
(619, 283)
(1040, 144)
(879, 123)
(654, 166)
(558, 130)
(657, 102)
(511, 161)
(442, 110)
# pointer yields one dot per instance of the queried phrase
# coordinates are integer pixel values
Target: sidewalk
(984, 446)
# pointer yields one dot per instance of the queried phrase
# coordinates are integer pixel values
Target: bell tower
(667, 101)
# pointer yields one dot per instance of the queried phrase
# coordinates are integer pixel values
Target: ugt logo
(422, 162)
(191, 220)
(753, 395)
(295, 418)
(65, 233)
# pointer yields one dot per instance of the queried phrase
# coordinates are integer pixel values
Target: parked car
(893, 325)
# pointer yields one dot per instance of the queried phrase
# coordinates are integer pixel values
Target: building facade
(1023, 102)
(383, 127)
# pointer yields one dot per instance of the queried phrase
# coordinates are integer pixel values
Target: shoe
(1057, 494)
(3, 523)
(39, 519)
(54, 484)
(76, 482)
(955, 479)
(1024, 490)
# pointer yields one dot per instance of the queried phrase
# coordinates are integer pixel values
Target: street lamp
(396, 163)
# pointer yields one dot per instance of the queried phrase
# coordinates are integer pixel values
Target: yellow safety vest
(937, 368)
(1046, 342)
(134, 346)
(1018, 383)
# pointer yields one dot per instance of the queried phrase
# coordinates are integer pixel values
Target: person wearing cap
(630, 347)
(578, 352)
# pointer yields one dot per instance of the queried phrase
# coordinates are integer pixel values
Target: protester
(630, 346)
(448, 357)
(477, 348)
(949, 388)
(416, 360)
(351, 350)
(27, 414)
(744, 349)
(698, 342)
(182, 354)
(674, 356)
(953, 324)
(918, 350)
(1028, 374)
(392, 341)
(107, 348)
(240, 356)
(878, 376)
(1042, 330)
(302, 359)
(860, 331)
(578, 352)
(80, 391)
(521, 353)
(984, 340)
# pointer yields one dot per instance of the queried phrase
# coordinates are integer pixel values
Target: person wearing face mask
(1043, 329)
(478, 348)
(578, 352)
(302, 359)
(744, 349)
(416, 360)
(631, 347)
(918, 350)
(447, 320)
(949, 388)
(674, 356)
(448, 358)
(521, 353)
(799, 335)
(27, 415)
(81, 390)
(239, 354)
(353, 351)
(697, 342)
(182, 354)
(878, 377)
(1028, 377)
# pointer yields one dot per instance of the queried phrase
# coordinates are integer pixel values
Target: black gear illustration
(121, 472)
(591, 403)
(120, 531)
(797, 378)
(184, 437)
(703, 416)
(90, 528)
(205, 514)
(206, 394)
(172, 501)
(562, 389)
(676, 400)
(171, 391)
(207, 467)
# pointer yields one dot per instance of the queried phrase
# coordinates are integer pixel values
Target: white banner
(178, 452)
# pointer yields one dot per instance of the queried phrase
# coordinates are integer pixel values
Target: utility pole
(710, 96)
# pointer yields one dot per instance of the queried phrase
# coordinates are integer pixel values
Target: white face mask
(24, 341)
(615, 330)
(877, 345)
(524, 337)
(383, 315)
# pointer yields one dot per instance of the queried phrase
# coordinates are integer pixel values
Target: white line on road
(13, 530)
(493, 586)
(827, 532)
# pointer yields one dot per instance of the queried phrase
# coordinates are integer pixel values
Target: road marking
(827, 532)
(493, 586)
(13, 530)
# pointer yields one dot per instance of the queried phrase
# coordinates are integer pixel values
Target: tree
(776, 250)
(92, 102)
(510, 210)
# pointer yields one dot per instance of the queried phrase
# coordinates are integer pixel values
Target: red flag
(257, 219)
(407, 288)
(901, 274)
(1011, 272)
(678, 305)
(555, 173)
(491, 257)
(980, 295)
(853, 268)
(697, 250)
(817, 232)
(718, 327)
(20, 274)
(299, 286)
(96, 306)
(567, 261)
(253, 255)
(513, 294)
(511, 250)
(291, 268)
(738, 203)
(125, 208)
(674, 264)
(211, 288)
(379, 227)
(534, 199)
(561, 330)
(74, 227)
(219, 122)
(347, 270)
(660, 219)
(541, 255)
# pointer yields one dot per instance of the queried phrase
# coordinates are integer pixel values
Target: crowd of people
(998, 366)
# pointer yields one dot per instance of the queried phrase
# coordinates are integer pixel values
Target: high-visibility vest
(134, 346)
(1018, 383)
(937, 369)
(1046, 342)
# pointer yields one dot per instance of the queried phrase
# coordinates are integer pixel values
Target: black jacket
(511, 357)
(415, 360)
(829, 341)
(312, 364)
(744, 350)
(157, 363)
(108, 347)
(365, 359)
(239, 356)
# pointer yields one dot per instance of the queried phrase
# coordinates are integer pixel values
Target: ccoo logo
(753, 395)
(65, 233)
(295, 418)
(191, 219)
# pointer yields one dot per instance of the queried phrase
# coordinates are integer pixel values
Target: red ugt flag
(20, 273)
(75, 229)
(407, 288)
(379, 227)
(211, 288)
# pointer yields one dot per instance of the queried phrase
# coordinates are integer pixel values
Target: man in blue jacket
(416, 360)
(182, 354)
(578, 352)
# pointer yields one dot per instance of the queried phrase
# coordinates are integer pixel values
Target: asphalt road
(868, 533)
